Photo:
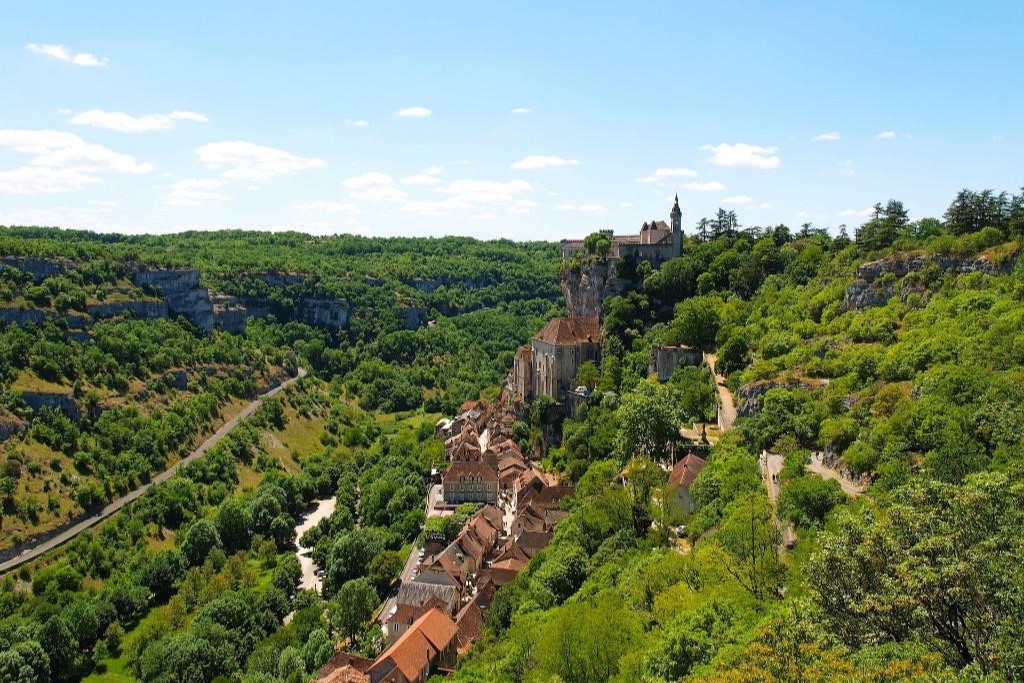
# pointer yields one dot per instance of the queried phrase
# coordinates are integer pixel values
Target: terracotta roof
(493, 515)
(339, 662)
(533, 541)
(586, 330)
(469, 469)
(415, 649)
(686, 470)
(469, 623)
(524, 352)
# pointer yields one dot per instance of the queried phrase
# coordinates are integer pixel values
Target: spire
(675, 208)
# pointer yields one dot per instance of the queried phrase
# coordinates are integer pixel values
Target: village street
(818, 467)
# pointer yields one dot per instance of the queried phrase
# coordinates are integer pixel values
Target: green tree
(750, 538)
(353, 606)
(696, 322)
(200, 539)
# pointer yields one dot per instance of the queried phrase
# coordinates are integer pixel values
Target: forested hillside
(895, 355)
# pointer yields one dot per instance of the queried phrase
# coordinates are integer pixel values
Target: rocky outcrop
(281, 279)
(38, 268)
(229, 314)
(876, 282)
(330, 313)
(147, 309)
(180, 288)
(10, 424)
(748, 397)
(413, 318)
(37, 316)
(52, 399)
(586, 289)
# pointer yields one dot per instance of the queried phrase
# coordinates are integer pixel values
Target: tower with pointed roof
(677, 228)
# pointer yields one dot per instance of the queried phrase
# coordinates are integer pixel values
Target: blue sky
(530, 120)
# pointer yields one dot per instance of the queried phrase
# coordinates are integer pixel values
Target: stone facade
(557, 354)
(665, 358)
(656, 242)
(470, 482)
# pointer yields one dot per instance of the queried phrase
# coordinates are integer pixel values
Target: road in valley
(66, 535)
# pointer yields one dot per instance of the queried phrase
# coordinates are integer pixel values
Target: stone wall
(665, 358)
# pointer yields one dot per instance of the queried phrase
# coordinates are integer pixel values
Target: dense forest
(894, 351)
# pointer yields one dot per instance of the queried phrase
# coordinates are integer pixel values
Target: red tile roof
(571, 331)
(417, 648)
(469, 469)
(686, 470)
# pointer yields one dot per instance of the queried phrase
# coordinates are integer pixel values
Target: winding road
(726, 404)
(66, 535)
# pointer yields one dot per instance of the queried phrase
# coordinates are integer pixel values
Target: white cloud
(195, 191)
(886, 135)
(582, 208)
(434, 208)
(710, 186)
(243, 160)
(846, 213)
(764, 205)
(125, 123)
(327, 207)
(521, 110)
(358, 123)
(663, 173)
(432, 170)
(486, 191)
(522, 207)
(742, 154)
(420, 179)
(486, 216)
(61, 162)
(414, 113)
(103, 204)
(737, 199)
(536, 161)
(61, 53)
(625, 205)
(826, 137)
(374, 187)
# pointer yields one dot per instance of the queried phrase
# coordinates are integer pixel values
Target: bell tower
(677, 228)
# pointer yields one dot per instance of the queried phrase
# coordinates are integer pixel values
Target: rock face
(281, 279)
(876, 282)
(331, 313)
(413, 318)
(748, 397)
(180, 289)
(36, 316)
(53, 399)
(38, 268)
(229, 313)
(148, 309)
(586, 290)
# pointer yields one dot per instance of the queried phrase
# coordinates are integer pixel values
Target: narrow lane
(63, 537)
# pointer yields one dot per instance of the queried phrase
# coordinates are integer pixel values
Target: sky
(524, 120)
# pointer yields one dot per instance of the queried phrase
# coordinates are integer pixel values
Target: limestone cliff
(876, 282)
(585, 288)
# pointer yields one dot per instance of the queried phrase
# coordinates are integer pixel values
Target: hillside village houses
(438, 611)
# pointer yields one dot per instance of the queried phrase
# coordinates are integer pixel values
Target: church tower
(677, 228)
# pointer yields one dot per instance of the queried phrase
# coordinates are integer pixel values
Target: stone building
(665, 357)
(559, 349)
(470, 482)
(656, 243)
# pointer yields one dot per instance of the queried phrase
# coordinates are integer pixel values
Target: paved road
(818, 467)
(434, 498)
(726, 405)
(32, 553)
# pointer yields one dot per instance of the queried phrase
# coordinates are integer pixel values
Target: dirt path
(66, 535)
(726, 405)
(818, 467)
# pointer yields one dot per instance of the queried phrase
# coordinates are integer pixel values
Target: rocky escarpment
(38, 268)
(330, 313)
(37, 316)
(876, 282)
(586, 289)
(149, 309)
(180, 288)
(51, 399)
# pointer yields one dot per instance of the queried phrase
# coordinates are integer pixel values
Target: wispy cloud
(374, 187)
(847, 213)
(662, 174)
(414, 113)
(737, 199)
(537, 161)
(886, 135)
(125, 123)
(243, 160)
(420, 179)
(63, 54)
(583, 208)
(327, 207)
(742, 154)
(486, 191)
(61, 162)
(357, 123)
(195, 191)
(826, 137)
(521, 110)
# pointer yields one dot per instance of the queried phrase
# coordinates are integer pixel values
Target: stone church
(549, 366)
(657, 242)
